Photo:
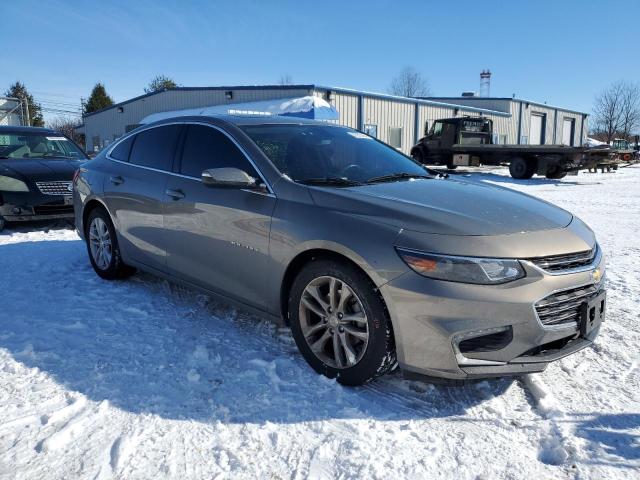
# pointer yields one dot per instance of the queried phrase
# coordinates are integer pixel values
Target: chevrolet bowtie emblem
(596, 275)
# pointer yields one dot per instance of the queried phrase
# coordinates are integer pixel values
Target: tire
(521, 168)
(2, 223)
(99, 230)
(417, 155)
(315, 324)
(555, 174)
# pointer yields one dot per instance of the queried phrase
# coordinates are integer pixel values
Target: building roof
(412, 100)
(511, 99)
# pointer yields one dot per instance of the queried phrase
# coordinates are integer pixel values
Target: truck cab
(447, 132)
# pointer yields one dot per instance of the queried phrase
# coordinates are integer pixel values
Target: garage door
(536, 129)
(567, 131)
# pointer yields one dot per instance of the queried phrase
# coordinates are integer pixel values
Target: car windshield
(332, 155)
(26, 145)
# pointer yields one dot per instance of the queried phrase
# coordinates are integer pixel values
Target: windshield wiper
(54, 155)
(397, 176)
(331, 181)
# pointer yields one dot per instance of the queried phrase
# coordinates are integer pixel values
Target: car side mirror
(229, 177)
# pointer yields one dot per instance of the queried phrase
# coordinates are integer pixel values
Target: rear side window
(155, 147)
(206, 147)
(122, 150)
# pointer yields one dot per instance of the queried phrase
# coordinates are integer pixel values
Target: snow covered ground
(142, 379)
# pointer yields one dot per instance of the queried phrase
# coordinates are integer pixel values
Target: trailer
(468, 141)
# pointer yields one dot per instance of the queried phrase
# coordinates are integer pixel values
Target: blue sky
(561, 52)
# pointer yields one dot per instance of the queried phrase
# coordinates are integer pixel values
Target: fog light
(488, 339)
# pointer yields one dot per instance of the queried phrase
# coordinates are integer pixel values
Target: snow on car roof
(310, 107)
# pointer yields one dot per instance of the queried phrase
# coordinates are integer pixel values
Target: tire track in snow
(558, 443)
(74, 428)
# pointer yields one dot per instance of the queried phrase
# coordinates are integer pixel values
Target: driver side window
(437, 129)
(206, 147)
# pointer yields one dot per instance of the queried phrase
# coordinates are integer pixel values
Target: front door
(536, 129)
(217, 238)
(134, 192)
(567, 131)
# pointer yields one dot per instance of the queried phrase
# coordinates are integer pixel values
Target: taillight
(76, 174)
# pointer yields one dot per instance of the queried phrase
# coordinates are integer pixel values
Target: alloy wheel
(334, 322)
(100, 243)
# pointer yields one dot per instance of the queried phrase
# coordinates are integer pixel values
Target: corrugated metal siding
(111, 124)
(386, 114)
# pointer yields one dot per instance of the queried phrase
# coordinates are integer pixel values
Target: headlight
(485, 271)
(9, 184)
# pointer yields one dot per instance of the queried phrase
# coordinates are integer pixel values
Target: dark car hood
(447, 207)
(37, 170)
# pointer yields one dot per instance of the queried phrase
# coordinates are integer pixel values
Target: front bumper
(430, 318)
(32, 206)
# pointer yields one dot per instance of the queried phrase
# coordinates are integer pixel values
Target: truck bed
(512, 149)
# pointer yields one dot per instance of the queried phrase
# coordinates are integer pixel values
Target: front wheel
(417, 155)
(340, 324)
(102, 246)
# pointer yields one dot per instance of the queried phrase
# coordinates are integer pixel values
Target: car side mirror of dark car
(230, 177)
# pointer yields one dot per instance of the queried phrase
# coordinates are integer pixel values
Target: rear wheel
(340, 323)
(521, 168)
(555, 173)
(102, 245)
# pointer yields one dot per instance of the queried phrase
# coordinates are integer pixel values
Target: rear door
(217, 238)
(134, 191)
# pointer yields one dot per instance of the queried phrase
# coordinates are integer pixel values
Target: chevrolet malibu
(373, 260)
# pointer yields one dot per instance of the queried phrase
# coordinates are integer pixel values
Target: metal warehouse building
(12, 112)
(535, 123)
(398, 121)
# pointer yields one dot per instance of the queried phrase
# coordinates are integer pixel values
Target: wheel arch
(90, 206)
(303, 258)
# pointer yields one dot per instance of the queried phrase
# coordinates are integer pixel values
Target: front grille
(559, 263)
(61, 187)
(52, 209)
(563, 307)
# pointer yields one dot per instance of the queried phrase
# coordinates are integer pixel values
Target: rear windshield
(27, 145)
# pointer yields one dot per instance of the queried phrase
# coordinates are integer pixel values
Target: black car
(36, 173)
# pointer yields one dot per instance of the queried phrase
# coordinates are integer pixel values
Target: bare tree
(630, 117)
(66, 126)
(285, 79)
(616, 110)
(410, 83)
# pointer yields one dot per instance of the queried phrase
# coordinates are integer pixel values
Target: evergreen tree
(19, 91)
(159, 83)
(98, 100)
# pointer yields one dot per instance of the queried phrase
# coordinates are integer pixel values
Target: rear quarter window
(122, 150)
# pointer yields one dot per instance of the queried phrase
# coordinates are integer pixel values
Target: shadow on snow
(148, 346)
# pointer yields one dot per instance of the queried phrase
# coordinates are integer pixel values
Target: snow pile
(311, 107)
(141, 379)
(592, 142)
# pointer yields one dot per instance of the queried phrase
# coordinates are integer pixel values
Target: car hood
(36, 170)
(445, 206)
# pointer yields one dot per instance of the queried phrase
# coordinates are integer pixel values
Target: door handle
(175, 194)
(116, 180)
